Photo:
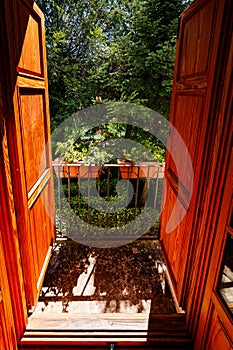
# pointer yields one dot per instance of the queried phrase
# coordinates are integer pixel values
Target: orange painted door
(28, 140)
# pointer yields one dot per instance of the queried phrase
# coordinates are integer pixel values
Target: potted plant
(128, 170)
(72, 161)
(63, 170)
(151, 170)
(143, 169)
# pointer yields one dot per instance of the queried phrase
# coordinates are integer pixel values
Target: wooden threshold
(164, 332)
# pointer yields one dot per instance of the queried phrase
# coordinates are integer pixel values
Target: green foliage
(118, 50)
(68, 27)
(90, 150)
(84, 207)
(70, 151)
(140, 62)
(109, 50)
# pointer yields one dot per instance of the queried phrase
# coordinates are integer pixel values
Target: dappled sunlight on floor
(91, 287)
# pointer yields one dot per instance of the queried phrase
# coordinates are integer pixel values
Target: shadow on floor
(127, 279)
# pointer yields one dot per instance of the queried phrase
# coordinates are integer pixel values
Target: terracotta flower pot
(91, 171)
(82, 171)
(151, 170)
(129, 171)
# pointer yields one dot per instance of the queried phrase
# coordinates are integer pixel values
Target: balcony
(108, 198)
(97, 283)
(101, 282)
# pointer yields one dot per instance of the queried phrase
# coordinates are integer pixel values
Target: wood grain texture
(32, 123)
(8, 225)
(207, 130)
(224, 174)
(33, 62)
(13, 305)
(218, 338)
(172, 243)
(33, 135)
(24, 130)
(38, 187)
(7, 337)
(165, 331)
(30, 81)
(195, 42)
(201, 110)
(41, 229)
(179, 189)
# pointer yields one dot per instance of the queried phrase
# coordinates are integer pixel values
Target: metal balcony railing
(106, 196)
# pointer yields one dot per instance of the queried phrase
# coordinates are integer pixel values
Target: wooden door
(215, 324)
(28, 136)
(7, 337)
(196, 56)
(201, 111)
(215, 328)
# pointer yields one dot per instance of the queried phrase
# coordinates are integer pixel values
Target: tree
(140, 62)
(110, 50)
(68, 27)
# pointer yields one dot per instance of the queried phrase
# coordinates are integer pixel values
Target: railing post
(59, 198)
(69, 226)
(156, 189)
(151, 176)
(136, 194)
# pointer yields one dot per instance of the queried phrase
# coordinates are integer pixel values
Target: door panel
(195, 45)
(174, 246)
(201, 111)
(34, 134)
(34, 126)
(187, 119)
(40, 237)
(217, 334)
(7, 337)
(33, 62)
(32, 177)
(190, 107)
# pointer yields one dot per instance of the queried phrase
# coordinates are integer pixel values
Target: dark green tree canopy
(110, 50)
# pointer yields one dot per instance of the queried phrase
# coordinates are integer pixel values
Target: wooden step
(126, 331)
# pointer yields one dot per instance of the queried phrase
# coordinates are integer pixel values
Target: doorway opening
(114, 291)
